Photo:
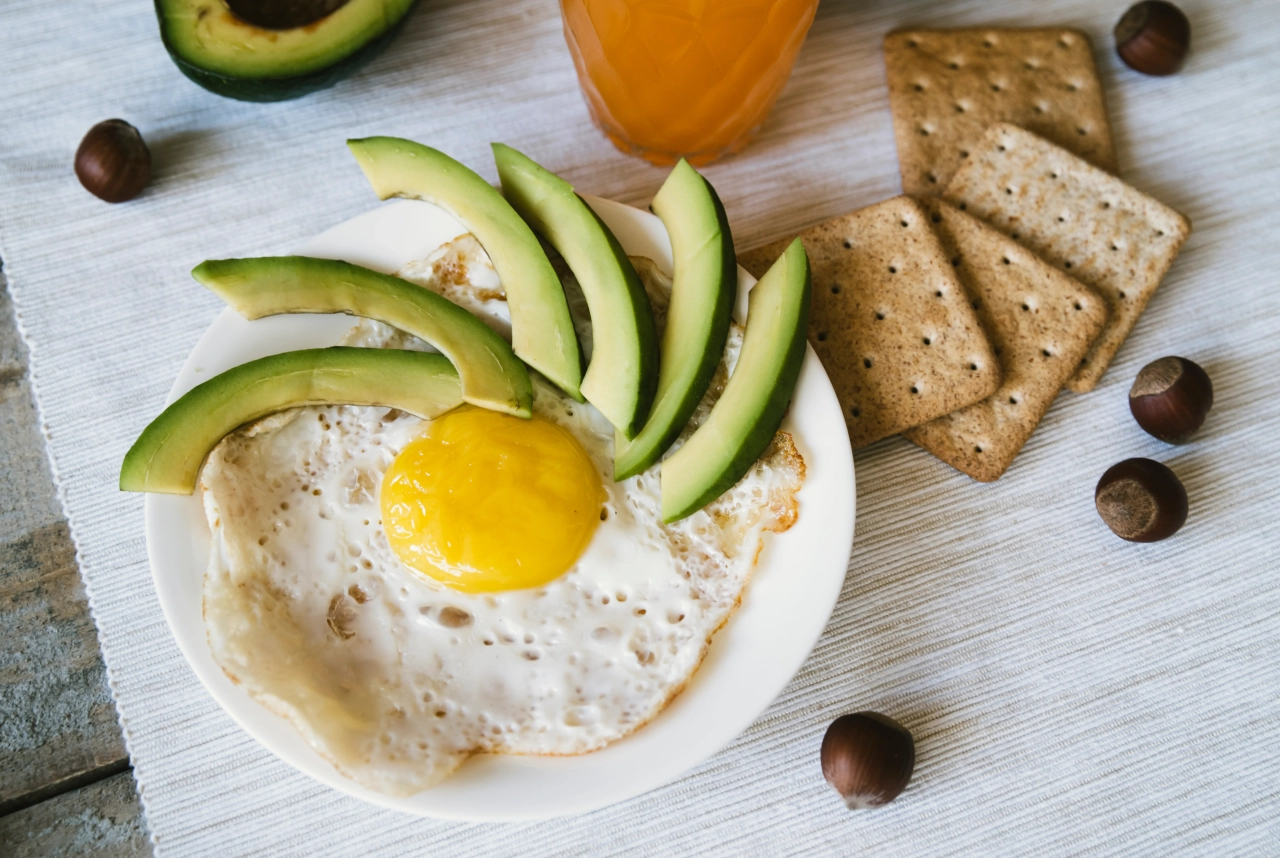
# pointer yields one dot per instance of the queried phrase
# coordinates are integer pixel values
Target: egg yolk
(485, 501)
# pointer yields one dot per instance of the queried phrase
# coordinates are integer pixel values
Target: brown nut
(1153, 37)
(1141, 500)
(1170, 398)
(113, 163)
(868, 758)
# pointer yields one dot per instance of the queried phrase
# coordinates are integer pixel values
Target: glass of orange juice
(666, 79)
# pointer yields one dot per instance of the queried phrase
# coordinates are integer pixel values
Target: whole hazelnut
(1170, 398)
(868, 758)
(1141, 500)
(113, 163)
(1153, 37)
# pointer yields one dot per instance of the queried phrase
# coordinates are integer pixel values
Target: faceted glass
(666, 79)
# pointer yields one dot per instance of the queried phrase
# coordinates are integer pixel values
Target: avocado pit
(283, 14)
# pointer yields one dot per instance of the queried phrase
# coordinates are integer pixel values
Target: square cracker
(1104, 233)
(890, 320)
(1040, 322)
(946, 87)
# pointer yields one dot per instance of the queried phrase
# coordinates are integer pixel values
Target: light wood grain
(103, 820)
(59, 726)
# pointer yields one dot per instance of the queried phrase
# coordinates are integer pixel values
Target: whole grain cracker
(1040, 321)
(1104, 233)
(946, 87)
(889, 320)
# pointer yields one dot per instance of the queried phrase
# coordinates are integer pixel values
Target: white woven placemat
(1070, 693)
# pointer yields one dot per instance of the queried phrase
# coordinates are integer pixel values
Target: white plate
(753, 657)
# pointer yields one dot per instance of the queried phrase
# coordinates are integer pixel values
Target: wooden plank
(103, 819)
(58, 726)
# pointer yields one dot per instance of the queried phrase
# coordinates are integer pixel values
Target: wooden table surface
(66, 788)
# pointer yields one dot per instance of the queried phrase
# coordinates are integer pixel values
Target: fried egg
(409, 593)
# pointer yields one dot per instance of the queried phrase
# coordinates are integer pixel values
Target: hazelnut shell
(1141, 500)
(1153, 37)
(1170, 398)
(113, 162)
(868, 758)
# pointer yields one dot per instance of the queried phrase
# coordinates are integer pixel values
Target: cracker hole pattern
(866, 362)
(822, 336)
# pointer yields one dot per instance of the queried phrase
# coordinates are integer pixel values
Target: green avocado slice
(541, 327)
(703, 287)
(492, 376)
(169, 453)
(748, 413)
(270, 51)
(623, 373)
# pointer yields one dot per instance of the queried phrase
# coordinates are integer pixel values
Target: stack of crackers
(1016, 266)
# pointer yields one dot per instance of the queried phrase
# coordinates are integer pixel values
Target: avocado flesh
(703, 287)
(748, 413)
(492, 376)
(227, 55)
(541, 327)
(623, 373)
(169, 453)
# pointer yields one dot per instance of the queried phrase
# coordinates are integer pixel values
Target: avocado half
(273, 50)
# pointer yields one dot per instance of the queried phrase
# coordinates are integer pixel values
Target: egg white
(397, 679)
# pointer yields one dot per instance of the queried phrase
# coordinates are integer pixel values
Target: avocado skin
(168, 455)
(268, 89)
(625, 465)
(542, 333)
(623, 374)
(709, 467)
(492, 376)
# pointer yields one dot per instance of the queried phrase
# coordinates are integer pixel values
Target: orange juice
(692, 78)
